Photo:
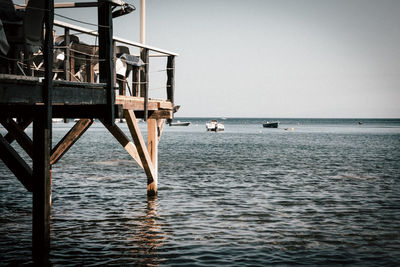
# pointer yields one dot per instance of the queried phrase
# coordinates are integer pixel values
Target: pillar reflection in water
(148, 234)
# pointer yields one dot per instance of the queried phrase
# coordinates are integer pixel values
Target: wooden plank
(12, 78)
(16, 164)
(69, 139)
(30, 94)
(106, 53)
(124, 141)
(141, 148)
(137, 103)
(76, 111)
(156, 114)
(22, 138)
(152, 147)
(165, 105)
(82, 96)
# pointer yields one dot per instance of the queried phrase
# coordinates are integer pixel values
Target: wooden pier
(35, 97)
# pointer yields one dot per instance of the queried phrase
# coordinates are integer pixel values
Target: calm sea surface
(325, 192)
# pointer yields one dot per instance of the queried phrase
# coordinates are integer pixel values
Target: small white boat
(214, 126)
(179, 123)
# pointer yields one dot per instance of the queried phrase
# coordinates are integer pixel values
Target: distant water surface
(323, 191)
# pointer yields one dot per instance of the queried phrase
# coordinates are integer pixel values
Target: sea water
(315, 191)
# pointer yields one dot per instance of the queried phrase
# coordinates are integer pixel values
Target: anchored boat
(179, 123)
(214, 126)
(269, 124)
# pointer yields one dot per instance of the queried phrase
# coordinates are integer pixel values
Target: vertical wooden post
(42, 136)
(170, 78)
(114, 59)
(67, 66)
(144, 80)
(41, 207)
(72, 66)
(135, 81)
(152, 147)
(106, 53)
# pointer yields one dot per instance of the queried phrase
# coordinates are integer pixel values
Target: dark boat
(269, 124)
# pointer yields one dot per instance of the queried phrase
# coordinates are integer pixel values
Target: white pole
(143, 21)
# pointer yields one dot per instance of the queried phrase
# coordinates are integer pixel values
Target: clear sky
(282, 58)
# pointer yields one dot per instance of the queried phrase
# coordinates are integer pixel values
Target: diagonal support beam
(22, 125)
(142, 150)
(124, 141)
(16, 164)
(69, 139)
(20, 136)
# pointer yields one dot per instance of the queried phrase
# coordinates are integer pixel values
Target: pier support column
(142, 150)
(152, 147)
(41, 207)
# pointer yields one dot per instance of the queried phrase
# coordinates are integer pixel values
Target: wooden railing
(140, 75)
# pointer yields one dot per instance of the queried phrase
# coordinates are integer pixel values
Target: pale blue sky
(286, 58)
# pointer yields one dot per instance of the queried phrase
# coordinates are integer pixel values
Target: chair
(27, 36)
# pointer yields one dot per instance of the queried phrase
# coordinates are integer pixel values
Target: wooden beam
(135, 81)
(67, 66)
(106, 53)
(144, 79)
(16, 164)
(23, 124)
(42, 137)
(156, 114)
(171, 78)
(41, 208)
(69, 139)
(124, 141)
(22, 138)
(152, 147)
(142, 149)
(137, 103)
(78, 111)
